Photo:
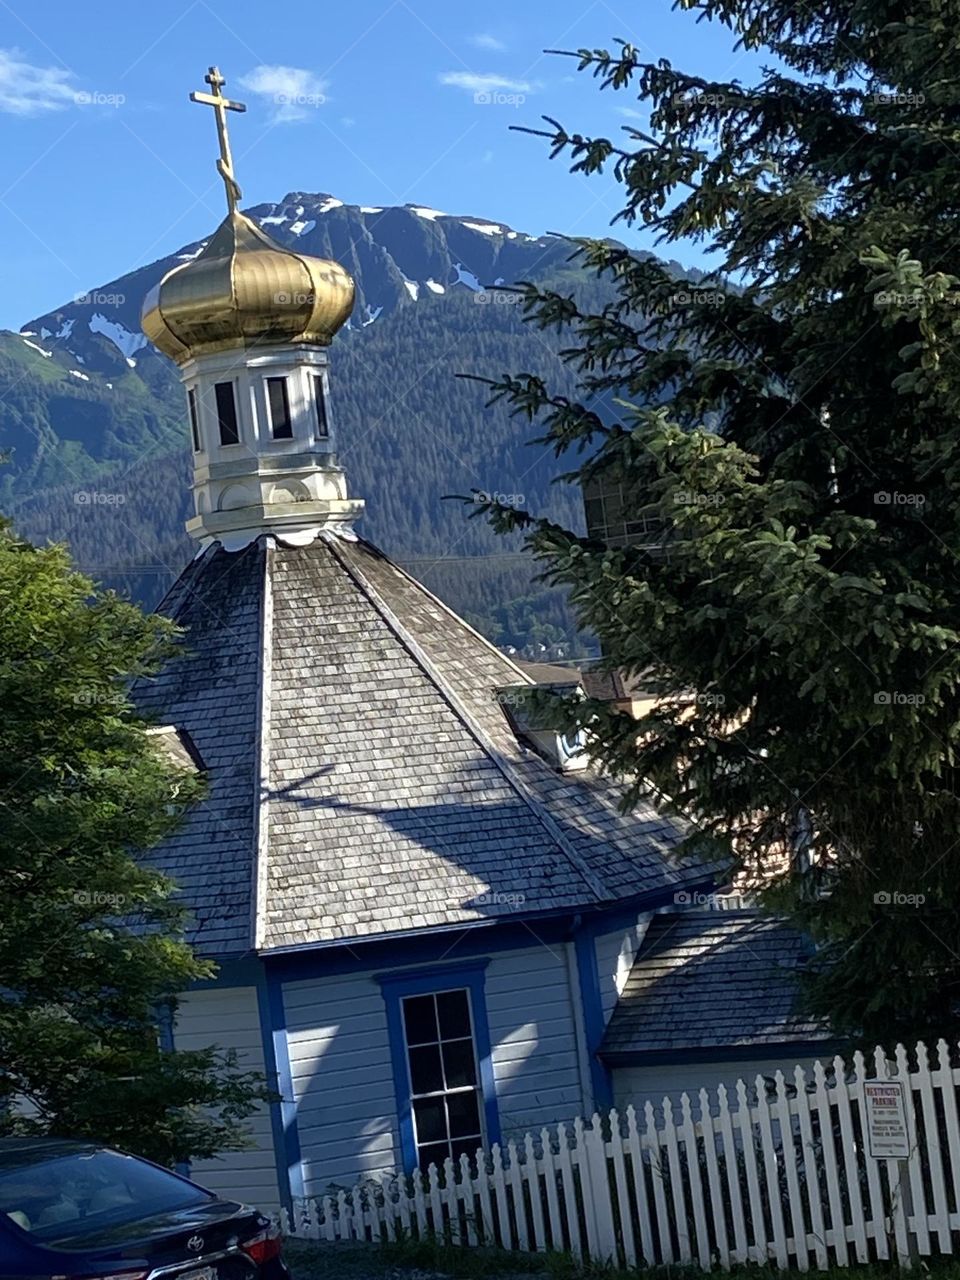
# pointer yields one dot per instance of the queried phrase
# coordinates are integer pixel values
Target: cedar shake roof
(711, 980)
(364, 778)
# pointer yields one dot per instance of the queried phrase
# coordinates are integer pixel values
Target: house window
(320, 406)
(227, 413)
(442, 1067)
(194, 418)
(444, 1080)
(279, 402)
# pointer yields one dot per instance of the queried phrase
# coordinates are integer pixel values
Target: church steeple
(249, 323)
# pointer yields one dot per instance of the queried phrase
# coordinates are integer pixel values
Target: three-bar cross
(221, 106)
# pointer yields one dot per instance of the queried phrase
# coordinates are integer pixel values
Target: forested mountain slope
(92, 416)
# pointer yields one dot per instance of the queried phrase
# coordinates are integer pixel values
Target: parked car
(79, 1211)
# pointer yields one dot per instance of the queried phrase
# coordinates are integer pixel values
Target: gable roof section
(711, 980)
(210, 691)
(364, 778)
(621, 854)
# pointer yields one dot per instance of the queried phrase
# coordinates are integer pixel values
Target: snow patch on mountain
(467, 277)
(66, 329)
(125, 341)
(331, 202)
(46, 333)
(189, 257)
(430, 214)
(488, 228)
(131, 362)
(434, 287)
(274, 220)
(75, 373)
(412, 288)
(372, 314)
(371, 208)
(48, 354)
(301, 226)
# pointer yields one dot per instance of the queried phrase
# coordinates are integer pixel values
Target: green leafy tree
(91, 944)
(796, 439)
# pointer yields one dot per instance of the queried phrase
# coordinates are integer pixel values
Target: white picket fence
(781, 1175)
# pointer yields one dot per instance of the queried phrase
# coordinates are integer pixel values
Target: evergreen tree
(798, 440)
(91, 946)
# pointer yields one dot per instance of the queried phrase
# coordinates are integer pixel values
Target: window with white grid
(445, 1090)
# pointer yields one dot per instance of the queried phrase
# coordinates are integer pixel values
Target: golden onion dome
(242, 290)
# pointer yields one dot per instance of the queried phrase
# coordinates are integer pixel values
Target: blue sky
(107, 165)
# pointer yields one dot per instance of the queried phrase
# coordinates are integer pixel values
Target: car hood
(170, 1236)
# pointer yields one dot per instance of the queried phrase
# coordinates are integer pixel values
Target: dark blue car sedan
(79, 1211)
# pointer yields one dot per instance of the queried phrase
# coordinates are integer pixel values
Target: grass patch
(420, 1259)
(474, 1263)
(392, 1260)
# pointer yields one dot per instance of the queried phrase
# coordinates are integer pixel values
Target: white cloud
(294, 92)
(26, 90)
(474, 83)
(486, 41)
(630, 114)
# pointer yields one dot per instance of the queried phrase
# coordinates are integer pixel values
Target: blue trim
(165, 1026)
(423, 979)
(236, 972)
(283, 1114)
(165, 1029)
(395, 986)
(588, 973)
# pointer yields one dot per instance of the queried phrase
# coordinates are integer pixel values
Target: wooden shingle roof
(711, 980)
(364, 777)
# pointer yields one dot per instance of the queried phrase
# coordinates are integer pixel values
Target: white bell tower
(249, 323)
(263, 440)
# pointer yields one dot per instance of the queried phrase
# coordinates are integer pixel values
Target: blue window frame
(442, 1068)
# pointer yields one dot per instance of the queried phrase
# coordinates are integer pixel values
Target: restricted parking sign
(886, 1120)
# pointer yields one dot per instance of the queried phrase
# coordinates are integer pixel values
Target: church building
(432, 922)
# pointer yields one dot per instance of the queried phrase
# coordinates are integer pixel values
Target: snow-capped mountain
(93, 417)
(397, 256)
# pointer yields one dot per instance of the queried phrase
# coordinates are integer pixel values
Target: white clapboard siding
(776, 1175)
(616, 953)
(638, 1084)
(532, 1037)
(229, 1017)
(340, 1064)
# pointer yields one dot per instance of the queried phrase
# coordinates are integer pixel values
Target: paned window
(445, 1093)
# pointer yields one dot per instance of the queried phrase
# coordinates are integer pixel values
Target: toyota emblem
(195, 1243)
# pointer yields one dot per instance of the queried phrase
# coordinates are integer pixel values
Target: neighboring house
(710, 999)
(627, 693)
(422, 922)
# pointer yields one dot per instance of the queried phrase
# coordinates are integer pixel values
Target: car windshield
(63, 1197)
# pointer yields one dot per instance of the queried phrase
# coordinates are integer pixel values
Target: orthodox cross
(221, 106)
